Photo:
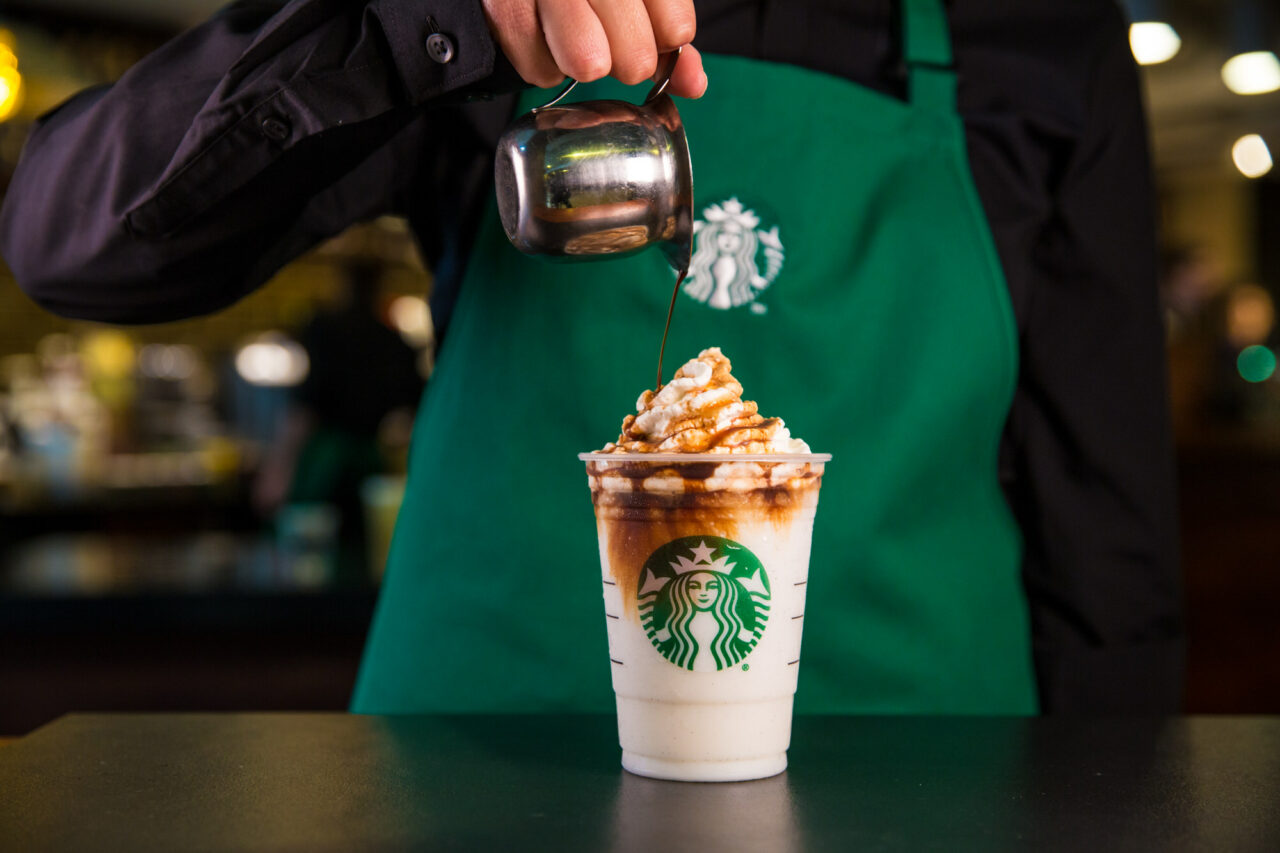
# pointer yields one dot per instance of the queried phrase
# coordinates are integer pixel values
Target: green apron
(843, 263)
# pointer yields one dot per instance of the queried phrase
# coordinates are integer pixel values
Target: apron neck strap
(926, 50)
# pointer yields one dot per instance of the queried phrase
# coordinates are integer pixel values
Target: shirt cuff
(456, 30)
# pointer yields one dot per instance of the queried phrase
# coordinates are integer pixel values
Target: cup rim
(600, 456)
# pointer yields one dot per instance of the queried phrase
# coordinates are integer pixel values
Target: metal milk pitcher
(598, 179)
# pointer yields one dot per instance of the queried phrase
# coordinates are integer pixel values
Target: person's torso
(842, 260)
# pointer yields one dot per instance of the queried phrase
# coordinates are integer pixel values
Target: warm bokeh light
(1251, 315)
(1253, 73)
(412, 319)
(10, 89)
(108, 353)
(10, 79)
(1153, 42)
(272, 360)
(1256, 363)
(1252, 156)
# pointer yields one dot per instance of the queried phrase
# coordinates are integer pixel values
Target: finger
(576, 38)
(689, 80)
(631, 47)
(514, 23)
(673, 23)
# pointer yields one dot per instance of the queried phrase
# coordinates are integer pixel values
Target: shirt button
(440, 47)
(275, 128)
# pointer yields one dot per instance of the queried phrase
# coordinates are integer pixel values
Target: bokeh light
(109, 353)
(1253, 73)
(1256, 363)
(272, 360)
(10, 90)
(1250, 315)
(10, 79)
(1153, 42)
(411, 317)
(1252, 156)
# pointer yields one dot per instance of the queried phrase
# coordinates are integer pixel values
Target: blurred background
(188, 522)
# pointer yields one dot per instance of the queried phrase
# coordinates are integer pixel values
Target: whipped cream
(701, 410)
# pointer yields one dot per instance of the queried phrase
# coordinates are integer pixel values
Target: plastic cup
(705, 564)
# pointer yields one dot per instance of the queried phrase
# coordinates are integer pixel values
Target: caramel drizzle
(671, 309)
(764, 426)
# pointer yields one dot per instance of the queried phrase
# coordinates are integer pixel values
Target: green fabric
(877, 326)
(926, 40)
(931, 79)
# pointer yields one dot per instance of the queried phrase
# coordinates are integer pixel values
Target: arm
(225, 153)
(243, 142)
(1091, 451)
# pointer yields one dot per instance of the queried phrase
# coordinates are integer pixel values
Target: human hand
(547, 40)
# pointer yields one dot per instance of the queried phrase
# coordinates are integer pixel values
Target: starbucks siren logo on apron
(704, 602)
(733, 258)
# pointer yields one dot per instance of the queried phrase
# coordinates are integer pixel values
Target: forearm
(192, 179)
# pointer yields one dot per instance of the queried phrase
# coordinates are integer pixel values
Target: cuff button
(275, 128)
(440, 47)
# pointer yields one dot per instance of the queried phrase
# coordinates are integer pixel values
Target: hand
(547, 40)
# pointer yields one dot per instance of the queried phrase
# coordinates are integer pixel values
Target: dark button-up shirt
(245, 141)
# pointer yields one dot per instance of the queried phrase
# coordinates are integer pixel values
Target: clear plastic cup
(704, 564)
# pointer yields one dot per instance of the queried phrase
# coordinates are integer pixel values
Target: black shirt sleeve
(1087, 456)
(231, 150)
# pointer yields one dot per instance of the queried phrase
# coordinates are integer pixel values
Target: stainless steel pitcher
(598, 179)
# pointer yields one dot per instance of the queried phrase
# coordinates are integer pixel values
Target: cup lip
(668, 458)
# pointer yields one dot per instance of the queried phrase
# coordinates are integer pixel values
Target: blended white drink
(705, 565)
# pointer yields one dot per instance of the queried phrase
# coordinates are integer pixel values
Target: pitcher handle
(666, 67)
(558, 98)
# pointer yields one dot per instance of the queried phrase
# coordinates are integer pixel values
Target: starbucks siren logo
(725, 271)
(704, 602)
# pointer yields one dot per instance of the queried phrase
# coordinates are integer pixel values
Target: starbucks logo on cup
(704, 602)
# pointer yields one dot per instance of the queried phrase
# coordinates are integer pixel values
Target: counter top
(317, 782)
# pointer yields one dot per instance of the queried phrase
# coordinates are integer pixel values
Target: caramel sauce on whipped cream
(642, 504)
(701, 410)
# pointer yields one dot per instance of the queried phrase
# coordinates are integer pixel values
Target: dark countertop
(316, 782)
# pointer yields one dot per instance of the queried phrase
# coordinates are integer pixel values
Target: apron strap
(926, 49)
